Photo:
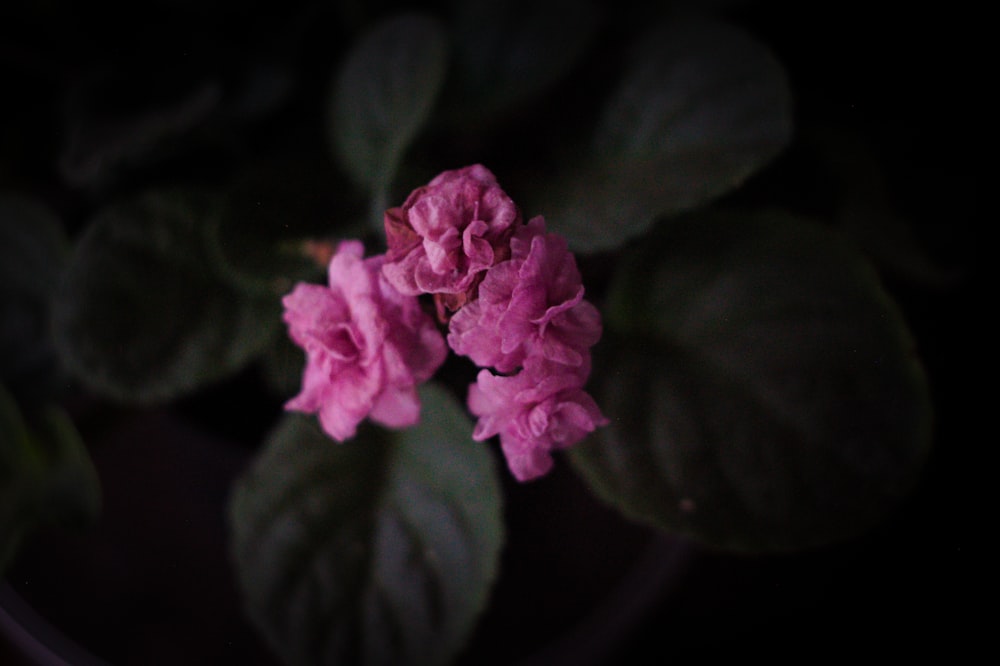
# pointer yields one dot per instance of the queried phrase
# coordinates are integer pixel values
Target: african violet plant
(510, 294)
(735, 375)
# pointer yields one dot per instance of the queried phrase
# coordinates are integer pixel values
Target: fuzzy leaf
(33, 252)
(128, 119)
(378, 550)
(701, 106)
(143, 313)
(508, 52)
(383, 94)
(46, 475)
(764, 391)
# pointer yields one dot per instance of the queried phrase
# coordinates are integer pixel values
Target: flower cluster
(531, 325)
(510, 295)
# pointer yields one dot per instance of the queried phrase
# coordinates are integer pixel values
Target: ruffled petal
(463, 222)
(367, 346)
(397, 407)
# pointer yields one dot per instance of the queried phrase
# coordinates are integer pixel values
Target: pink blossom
(367, 346)
(447, 233)
(530, 305)
(540, 409)
(512, 297)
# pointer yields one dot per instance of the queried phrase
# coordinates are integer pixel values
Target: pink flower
(447, 233)
(367, 346)
(540, 409)
(530, 305)
(512, 297)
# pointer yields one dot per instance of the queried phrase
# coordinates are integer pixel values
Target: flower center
(341, 342)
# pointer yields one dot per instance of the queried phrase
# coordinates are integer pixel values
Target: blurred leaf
(143, 313)
(33, 243)
(506, 52)
(118, 120)
(382, 96)
(33, 253)
(701, 106)
(46, 475)
(282, 365)
(764, 391)
(378, 550)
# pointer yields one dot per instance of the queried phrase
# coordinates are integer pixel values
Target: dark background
(910, 81)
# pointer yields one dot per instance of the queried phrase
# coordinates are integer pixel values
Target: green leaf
(46, 476)
(382, 96)
(282, 365)
(378, 550)
(508, 52)
(33, 252)
(143, 313)
(701, 106)
(764, 391)
(33, 244)
(127, 119)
